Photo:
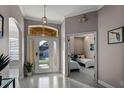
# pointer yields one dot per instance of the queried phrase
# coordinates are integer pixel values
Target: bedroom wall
(78, 45)
(10, 11)
(111, 57)
(88, 39)
(81, 45)
(72, 45)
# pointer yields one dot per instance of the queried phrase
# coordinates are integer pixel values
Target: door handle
(36, 53)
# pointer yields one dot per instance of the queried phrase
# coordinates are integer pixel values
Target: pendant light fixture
(44, 18)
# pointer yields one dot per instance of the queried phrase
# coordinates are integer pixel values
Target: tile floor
(14, 69)
(49, 81)
(76, 80)
(88, 71)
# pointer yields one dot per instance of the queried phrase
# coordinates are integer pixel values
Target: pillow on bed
(74, 57)
(81, 56)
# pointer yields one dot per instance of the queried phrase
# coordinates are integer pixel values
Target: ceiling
(55, 13)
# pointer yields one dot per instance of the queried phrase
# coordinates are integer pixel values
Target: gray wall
(73, 25)
(9, 11)
(111, 57)
(32, 22)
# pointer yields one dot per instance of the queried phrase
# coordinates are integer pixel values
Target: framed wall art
(116, 36)
(1, 26)
(91, 47)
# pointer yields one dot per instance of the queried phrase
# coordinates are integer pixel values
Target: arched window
(13, 48)
(40, 30)
(44, 54)
(13, 40)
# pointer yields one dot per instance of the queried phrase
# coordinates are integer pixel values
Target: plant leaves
(4, 61)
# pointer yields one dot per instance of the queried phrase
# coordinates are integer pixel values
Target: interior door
(46, 58)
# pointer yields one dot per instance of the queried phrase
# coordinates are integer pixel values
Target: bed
(86, 62)
(74, 66)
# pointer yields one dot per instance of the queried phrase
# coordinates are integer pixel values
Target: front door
(46, 55)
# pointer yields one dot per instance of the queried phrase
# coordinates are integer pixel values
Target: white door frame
(67, 72)
(50, 40)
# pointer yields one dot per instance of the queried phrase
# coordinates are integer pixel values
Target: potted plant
(29, 67)
(4, 61)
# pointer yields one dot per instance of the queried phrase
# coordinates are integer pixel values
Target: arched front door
(43, 48)
(46, 54)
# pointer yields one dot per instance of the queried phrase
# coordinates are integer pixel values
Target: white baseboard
(105, 84)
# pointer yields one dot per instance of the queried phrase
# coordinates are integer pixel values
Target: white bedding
(73, 65)
(87, 62)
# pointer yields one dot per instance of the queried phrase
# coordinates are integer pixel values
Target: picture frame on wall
(91, 47)
(116, 36)
(1, 26)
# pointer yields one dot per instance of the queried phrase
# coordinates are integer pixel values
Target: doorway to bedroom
(82, 51)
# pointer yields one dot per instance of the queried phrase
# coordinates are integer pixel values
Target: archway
(15, 49)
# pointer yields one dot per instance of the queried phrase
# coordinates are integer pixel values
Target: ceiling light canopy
(83, 18)
(44, 18)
